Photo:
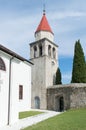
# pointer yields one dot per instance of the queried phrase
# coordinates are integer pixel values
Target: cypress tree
(85, 72)
(58, 77)
(79, 69)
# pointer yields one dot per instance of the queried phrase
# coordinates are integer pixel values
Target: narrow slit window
(49, 50)
(40, 50)
(20, 92)
(35, 51)
(54, 53)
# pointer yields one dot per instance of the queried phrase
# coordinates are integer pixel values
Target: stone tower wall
(43, 70)
(38, 82)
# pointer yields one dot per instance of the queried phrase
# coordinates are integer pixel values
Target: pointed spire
(44, 25)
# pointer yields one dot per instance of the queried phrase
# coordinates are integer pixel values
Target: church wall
(25, 80)
(4, 85)
(14, 92)
(20, 75)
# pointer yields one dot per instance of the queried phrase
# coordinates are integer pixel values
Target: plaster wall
(20, 75)
(4, 86)
(42, 34)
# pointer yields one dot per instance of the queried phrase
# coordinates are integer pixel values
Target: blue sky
(20, 18)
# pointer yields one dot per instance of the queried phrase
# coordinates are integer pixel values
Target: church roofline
(41, 40)
(6, 50)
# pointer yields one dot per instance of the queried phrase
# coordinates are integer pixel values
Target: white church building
(15, 86)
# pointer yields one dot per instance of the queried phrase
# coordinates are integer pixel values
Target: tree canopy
(79, 65)
(58, 76)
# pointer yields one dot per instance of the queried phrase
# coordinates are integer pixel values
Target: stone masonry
(43, 71)
(63, 97)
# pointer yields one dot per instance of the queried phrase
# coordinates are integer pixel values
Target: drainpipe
(9, 91)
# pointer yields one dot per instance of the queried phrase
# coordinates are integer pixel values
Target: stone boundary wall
(63, 97)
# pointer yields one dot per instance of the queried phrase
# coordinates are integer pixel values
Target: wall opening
(2, 65)
(49, 50)
(59, 104)
(54, 53)
(35, 51)
(40, 50)
(37, 102)
(20, 92)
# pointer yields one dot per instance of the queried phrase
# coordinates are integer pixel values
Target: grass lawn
(70, 120)
(28, 113)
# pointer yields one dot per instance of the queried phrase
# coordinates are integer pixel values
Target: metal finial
(44, 11)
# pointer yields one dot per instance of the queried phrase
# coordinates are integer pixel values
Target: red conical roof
(44, 25)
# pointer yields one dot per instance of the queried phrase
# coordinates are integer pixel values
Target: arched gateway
(59, 101)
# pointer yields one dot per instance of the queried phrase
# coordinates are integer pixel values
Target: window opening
(20, 91)
(2, 64)
(54, 53)
(40, 50)
(49, 50)
(35, 51)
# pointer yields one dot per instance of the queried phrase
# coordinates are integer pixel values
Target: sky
(67, 18)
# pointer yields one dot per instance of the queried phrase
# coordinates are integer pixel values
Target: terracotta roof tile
(44, 25)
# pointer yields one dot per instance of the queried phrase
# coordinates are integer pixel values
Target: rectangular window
(20, 92)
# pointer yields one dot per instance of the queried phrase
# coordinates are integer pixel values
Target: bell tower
(44, 55)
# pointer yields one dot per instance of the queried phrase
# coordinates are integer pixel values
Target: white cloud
(66, 77)
(62, 15)
(17, 33)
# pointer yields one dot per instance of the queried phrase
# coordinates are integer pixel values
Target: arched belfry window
(49, 50)
(35, 51)
(40, 50)
(2, 64)
(54, 53)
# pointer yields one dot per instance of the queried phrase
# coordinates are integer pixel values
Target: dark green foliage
(58, 77)
(85, 71)
(79, 69)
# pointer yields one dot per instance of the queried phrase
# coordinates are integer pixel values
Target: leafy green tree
(79, 69)
(58, 76)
